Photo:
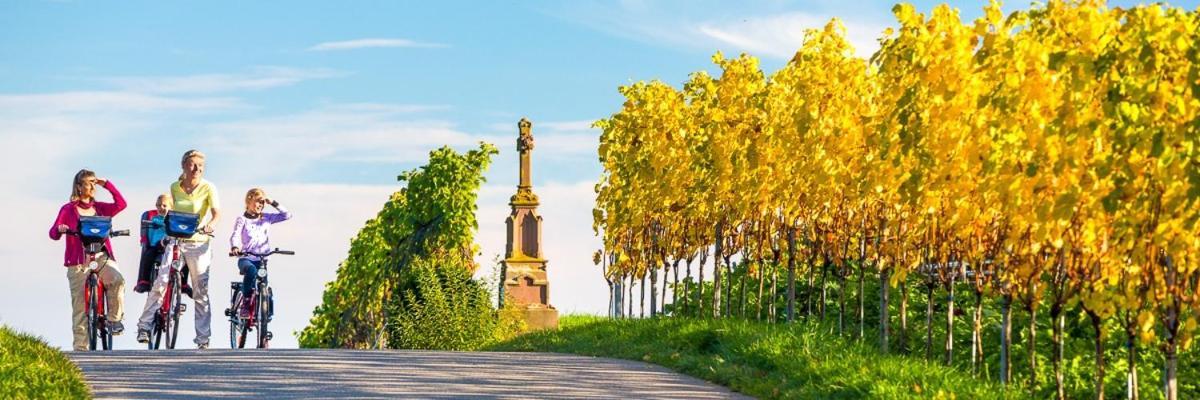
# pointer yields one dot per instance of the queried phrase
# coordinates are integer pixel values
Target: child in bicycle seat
(250, 237)
(153, 233)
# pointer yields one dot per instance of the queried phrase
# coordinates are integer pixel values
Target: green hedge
(30, 369)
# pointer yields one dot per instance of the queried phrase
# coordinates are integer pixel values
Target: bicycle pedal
(270, 335)
(182, 308)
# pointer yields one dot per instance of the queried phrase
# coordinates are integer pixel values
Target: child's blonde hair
(252, 195)
(164, 198)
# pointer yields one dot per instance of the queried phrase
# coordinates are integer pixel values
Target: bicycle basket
(94, 228)
(181, 224)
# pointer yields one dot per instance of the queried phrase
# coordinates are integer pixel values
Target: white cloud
(349, 133)
(780, 36)
(554, 139)
(257, 78)
(373, 43)
(569, 126)
(769, 30)
(104, 102)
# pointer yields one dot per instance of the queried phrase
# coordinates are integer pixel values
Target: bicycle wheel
(89, 291)
(242, 334)
(102, 319)
(234, 325)
(156, 332)
(173, 317)
(262, 312)
(169, 303)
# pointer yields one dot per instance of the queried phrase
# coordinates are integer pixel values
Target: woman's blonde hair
(190, 154)
(252, 195)
(77, 183)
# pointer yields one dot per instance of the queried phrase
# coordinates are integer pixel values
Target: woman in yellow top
(190, 194)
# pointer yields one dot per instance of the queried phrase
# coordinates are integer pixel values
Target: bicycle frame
(97, 306)
(166, 319)
(94, 300)
(261, 301)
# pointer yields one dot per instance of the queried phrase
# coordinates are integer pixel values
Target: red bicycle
(165, 327)
(261, 302)
(92, 233)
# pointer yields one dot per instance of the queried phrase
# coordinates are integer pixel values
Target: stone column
(524, 275)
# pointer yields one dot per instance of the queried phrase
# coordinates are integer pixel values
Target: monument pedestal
(523, 279)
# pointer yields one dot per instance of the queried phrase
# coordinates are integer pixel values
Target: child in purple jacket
(250, 237)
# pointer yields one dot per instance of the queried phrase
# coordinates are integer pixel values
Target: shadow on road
(279, 374)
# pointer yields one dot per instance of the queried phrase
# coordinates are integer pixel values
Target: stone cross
(523, 277)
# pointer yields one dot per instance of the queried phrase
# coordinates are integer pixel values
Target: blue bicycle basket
(94, 228)
(181, 224)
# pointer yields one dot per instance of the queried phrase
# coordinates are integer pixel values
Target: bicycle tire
(169, 306)
(244, 332)
(261, 310)
(102, 319)
(173, 326)
(156, 333)
(90, 303)
(234, 325)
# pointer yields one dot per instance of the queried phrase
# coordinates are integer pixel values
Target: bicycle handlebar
(264, 255)
(123, 232)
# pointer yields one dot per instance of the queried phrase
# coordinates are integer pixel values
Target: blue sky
(323, 104)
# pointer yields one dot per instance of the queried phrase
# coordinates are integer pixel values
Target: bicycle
(261, 301)
(166, 320)
(92, 232)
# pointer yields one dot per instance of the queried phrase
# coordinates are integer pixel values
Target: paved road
(280, 374)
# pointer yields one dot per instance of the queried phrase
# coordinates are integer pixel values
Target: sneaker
(143, 336)
(202, 346)
(186, 289)
(141, 287)
(115, 328)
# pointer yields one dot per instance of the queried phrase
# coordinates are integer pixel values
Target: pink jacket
(67, 215)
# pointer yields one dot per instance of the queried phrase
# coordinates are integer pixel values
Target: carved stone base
(541, 317)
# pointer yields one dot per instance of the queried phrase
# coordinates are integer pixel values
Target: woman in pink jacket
(83, 203)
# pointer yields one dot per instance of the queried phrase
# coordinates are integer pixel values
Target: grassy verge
(761, 360)
(29, 369)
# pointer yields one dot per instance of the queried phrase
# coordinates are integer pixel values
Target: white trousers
(198, 259)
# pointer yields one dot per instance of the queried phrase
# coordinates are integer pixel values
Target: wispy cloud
(772, 30)
(368, 43)
(554, 139)
(569, 126)
(337, 133)
(258, 78)
(102, 101)
(780, 36)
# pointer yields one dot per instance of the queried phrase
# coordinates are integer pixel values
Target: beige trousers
(114, 290)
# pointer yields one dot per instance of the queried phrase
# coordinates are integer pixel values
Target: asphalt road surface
(289, 374)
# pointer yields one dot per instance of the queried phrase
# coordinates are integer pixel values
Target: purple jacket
(250, 235)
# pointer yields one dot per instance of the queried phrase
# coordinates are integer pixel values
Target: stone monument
(524, 268)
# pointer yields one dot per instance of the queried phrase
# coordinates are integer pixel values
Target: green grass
(761, 360)
(29, 369)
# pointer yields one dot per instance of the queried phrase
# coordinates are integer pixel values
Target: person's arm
(60, 223)
(234, 242)
(214, 207)
(118, 204)
(282, 215)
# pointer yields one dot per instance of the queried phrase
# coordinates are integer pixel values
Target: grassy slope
(31, 369)
(766, 361)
